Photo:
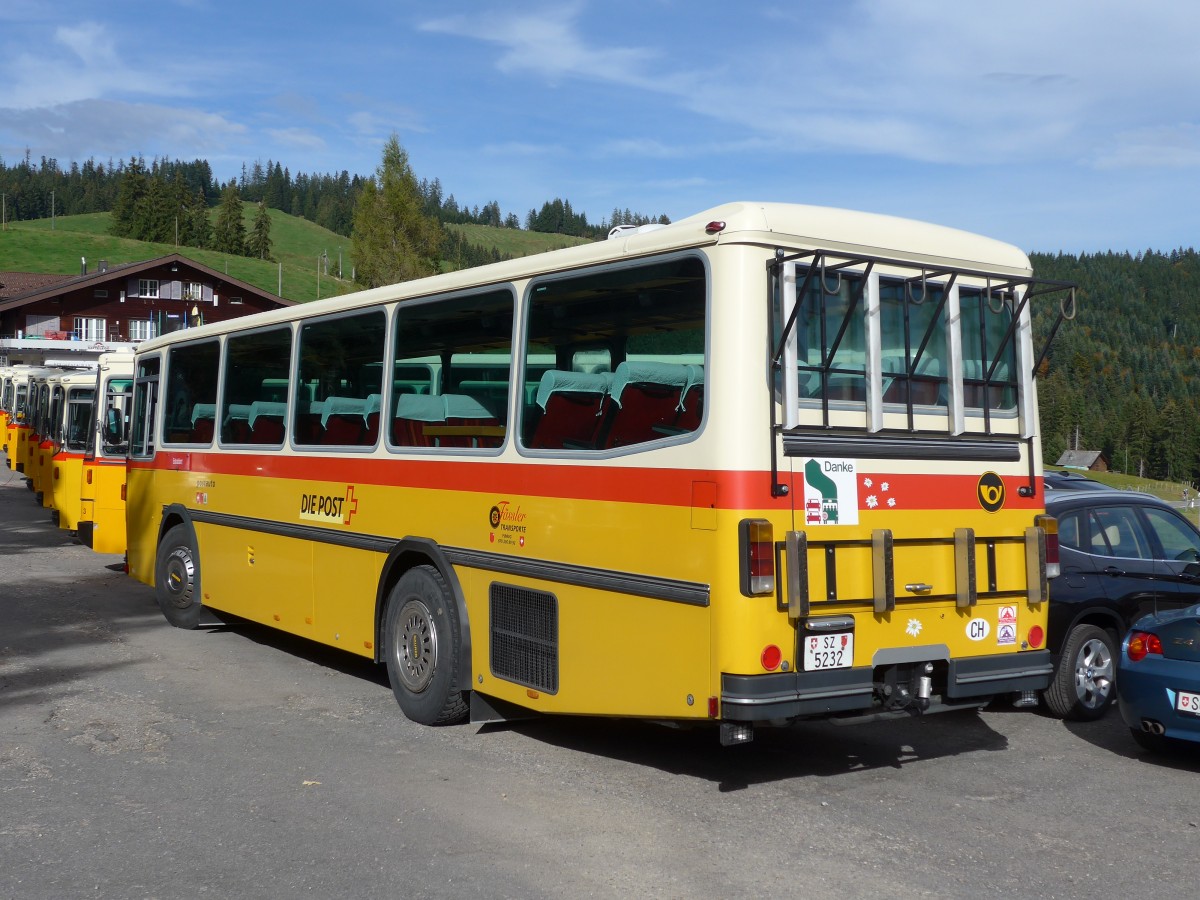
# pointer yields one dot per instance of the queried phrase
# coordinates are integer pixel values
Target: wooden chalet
(72, 319)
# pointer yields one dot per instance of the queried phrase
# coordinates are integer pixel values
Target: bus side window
(341, 360)
(452, 375)
(192, 376)
(647, 323)
(255, 365)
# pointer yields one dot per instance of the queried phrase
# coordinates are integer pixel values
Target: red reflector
(713, 708)
(1036, 636)
(714, 227)
(1141, 644)
(772, 656)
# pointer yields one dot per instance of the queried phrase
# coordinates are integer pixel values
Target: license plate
(828, 651)
(1189, 703)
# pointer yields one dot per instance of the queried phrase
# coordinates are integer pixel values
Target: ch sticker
(990, 491)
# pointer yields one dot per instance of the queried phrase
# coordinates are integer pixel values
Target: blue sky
(1071, 125)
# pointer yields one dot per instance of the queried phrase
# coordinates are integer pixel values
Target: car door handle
(1114, 571)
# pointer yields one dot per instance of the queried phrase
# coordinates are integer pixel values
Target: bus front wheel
(177, 578)
(421, 637)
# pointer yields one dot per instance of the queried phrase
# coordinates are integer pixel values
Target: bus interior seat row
(640, 401)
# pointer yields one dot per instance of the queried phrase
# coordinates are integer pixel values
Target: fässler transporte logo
(990, 491)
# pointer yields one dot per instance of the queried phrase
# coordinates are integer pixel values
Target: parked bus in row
(73, 395)
(101, 524)
(766, 463)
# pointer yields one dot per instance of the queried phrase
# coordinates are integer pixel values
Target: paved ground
(137, 760)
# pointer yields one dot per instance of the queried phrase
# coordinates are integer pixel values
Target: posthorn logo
(990, 491)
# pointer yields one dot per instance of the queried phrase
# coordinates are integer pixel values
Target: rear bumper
(790, 695)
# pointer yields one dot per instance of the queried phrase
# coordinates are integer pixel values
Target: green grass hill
(300, 249)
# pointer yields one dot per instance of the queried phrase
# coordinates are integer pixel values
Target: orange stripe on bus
(659, 487)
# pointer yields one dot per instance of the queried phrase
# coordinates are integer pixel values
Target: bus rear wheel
(177, 578)
(422, 648)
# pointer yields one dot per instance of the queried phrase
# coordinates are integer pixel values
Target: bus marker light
(532, 694)
(757, 544)
(277, 619)
(1049, 524)
(714, 227)
(772, 656)
(89, 476)
(367, 644)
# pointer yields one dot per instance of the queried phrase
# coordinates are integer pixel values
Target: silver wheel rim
(179, 576)
(1093, 673)
(415, 647)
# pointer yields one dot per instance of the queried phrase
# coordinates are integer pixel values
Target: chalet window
(89, 329)
(99, 292)
(141, 329)
(235, 301)
(193, 291)
(148, 287)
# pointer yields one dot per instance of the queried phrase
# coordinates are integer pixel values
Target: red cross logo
(351, 506)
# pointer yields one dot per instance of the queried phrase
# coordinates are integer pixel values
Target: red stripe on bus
(619, 484)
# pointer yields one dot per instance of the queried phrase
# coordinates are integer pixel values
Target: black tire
(422, 645)
(1084, 677)
(177, 578)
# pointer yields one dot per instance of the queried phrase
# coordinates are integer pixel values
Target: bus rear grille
(524, 636)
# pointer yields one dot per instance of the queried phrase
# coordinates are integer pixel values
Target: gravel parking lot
(138, 760)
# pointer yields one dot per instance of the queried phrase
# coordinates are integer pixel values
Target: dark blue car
(1122, 555)
(1158, 678)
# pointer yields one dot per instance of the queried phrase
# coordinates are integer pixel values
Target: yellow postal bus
(102, 489)
(72, 396)
(766, 463)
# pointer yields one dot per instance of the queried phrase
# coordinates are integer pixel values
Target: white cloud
(1162, 147)
(924, 80)
(297, 139)
(547, 42)
(99, 128)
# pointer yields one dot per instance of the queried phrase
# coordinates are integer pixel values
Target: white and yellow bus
(767, 463)
(102, 489)
(72, 397)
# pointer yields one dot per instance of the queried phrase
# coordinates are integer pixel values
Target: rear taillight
(1049, 524)
(757, 548)
(1142, 644)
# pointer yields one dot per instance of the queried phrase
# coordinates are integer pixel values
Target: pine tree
(155, 218)
(229, 234)
(133, 189)
(259, 243)
(195, 230)
(394, 240)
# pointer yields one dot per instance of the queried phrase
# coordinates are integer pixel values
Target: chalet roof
(1078, 459)
(46, 289)
(14, 284)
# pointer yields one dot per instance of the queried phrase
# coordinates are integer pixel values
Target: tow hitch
(906, 687)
